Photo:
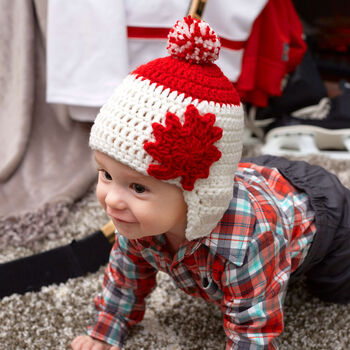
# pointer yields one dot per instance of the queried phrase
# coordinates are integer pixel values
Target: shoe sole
(308, 139)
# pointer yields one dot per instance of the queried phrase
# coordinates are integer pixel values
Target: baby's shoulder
(263, 184)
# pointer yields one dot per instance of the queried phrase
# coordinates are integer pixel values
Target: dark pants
(327, 265)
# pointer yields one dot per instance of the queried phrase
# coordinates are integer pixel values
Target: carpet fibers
(51, 318)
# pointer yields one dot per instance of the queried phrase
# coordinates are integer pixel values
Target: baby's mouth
(119, 218)
(123, 221)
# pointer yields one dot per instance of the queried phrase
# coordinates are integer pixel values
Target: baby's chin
(129, 230)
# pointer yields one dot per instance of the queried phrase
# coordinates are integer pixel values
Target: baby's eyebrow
(137, 177)
(98, 164)
(97, 161)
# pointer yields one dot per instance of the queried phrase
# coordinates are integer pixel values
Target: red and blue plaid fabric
(243, 265)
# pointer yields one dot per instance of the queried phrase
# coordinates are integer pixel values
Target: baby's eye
(106, 175)
(138, 188)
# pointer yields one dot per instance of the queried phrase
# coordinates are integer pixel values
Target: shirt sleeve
(128, 279)
(254, 293)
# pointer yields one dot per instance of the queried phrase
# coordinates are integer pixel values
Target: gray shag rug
(51, 318)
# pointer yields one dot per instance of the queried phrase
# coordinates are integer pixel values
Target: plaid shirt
(243, 265)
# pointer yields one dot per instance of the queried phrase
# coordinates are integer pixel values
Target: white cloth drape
(88, 52)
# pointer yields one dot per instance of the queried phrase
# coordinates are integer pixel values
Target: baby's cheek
(101, 195)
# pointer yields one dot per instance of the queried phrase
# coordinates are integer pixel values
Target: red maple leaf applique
(184, 150)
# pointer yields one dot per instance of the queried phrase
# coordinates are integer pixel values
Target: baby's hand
(84, 342)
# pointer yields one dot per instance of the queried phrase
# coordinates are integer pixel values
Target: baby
(168, 144)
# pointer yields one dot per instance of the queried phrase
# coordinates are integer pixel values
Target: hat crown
(194, 41)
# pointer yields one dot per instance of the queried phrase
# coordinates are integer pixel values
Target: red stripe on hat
(162, 33)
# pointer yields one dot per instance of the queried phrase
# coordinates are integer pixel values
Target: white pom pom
(194, 41)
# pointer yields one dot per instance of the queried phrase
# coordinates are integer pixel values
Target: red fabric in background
(274, 48)
(162, 33)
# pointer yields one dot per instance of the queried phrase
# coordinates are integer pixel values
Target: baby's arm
(254, 294)
(84, 342)
(129, 278)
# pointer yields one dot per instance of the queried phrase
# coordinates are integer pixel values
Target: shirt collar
(232, 244)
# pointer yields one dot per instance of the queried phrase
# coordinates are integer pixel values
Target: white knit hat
(180, 120)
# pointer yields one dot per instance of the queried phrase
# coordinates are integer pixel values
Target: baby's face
(139, 205)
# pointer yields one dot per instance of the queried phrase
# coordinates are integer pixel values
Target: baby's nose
(116, 199)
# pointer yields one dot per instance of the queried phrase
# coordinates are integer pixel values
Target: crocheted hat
(180, 120)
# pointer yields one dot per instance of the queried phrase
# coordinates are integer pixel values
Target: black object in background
(57, 265)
